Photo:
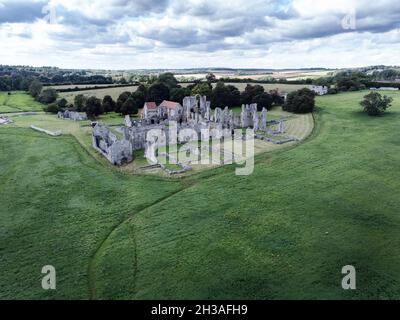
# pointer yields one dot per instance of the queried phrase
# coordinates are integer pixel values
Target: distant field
(18, 102)
(268, 86)
(289, 75)
(300, 75)
(80, 86)
(98, 93)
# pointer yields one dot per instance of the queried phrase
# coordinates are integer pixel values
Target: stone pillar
(263, 120)
(255, 121)
(128, 121)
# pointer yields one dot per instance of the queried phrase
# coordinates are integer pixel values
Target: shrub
(52, 108)
(62, 103)
(333, 91)
(48, 96)
(374, 104)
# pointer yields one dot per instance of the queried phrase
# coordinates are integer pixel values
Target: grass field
(289, 75)
(18, 102)
(271, 86)
(284, 232)
(98, 93)
(80, 86)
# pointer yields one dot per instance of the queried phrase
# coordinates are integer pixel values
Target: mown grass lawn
(284, 232)
(18, 102)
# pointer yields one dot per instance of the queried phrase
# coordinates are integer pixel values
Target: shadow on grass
(362, 114)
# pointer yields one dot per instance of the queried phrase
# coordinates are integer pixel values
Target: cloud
(215, 32)
(20, 11)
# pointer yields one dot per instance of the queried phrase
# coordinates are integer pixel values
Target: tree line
(166, 87)
(15, 78)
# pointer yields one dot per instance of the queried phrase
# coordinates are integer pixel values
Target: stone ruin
(128, 121)
(72, 115)
(117, 151)
(195, 114)
(5, 120)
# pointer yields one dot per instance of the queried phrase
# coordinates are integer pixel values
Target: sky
(172, 34)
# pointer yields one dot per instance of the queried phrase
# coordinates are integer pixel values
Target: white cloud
(194, 33)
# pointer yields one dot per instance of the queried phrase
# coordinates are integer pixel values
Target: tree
(158, 92)
(48, 96)
(80, 102)
(168, 79)
(211, 78)
(301, 101)
(203, 89)
(142, 89)
(5, 83)
(93, 107)
(35, 88)
(250, 92)
(178, 94)
(62, 103)
(277, 98)
(121, 100)
(129, 107)
(25, 83)
(263, 100)
(108, 104)
(225, 96)
(351, 81)
(16, 81)
(375, 104)
(233, 99)
(140, 96)
(52, 108)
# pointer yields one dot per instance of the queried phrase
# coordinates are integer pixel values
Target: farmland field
(271, 86)
(98, 93)
(285, 232)
(80, 86)
(289, 75)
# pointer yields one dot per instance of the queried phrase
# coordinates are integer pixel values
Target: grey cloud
(259, 23)
(135, 8)
(20, 11)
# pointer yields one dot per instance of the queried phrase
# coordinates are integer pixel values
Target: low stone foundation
(50, 133)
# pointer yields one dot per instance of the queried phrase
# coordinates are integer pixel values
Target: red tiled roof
(169, 104)
(150, 105)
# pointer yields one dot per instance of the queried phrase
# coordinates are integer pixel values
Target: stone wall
(116, 151)
(72, 115)
(50, 133)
